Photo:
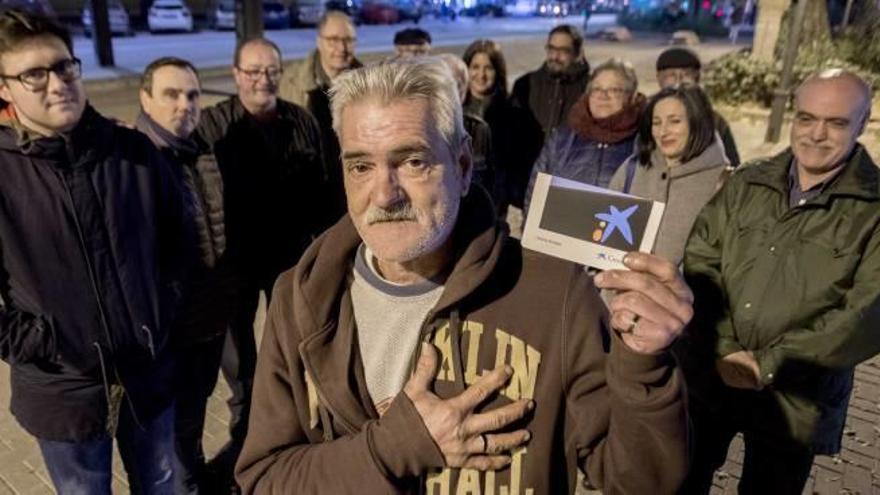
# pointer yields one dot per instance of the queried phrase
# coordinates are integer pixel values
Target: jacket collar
(89, 140)
(163, 138)
(859, 178)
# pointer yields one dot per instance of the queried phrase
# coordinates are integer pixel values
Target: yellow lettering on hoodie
(516, 468)
(475, 332)
(312, 393)
(524, 360)
(468, 482)
(438, 481)
(444, 345)
(502, 339)
(489, 488)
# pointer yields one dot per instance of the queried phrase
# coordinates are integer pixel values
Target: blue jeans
(86, 468)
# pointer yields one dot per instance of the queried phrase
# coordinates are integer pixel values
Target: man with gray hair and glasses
(269, 154)
(307, 82)
(785, 265)
(416, 348)
(93, 239)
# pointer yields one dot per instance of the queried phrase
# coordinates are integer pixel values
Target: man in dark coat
(549, 92)
(169, 96)
(269, 152)
(92, 232)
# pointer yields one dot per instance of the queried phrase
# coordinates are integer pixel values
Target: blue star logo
(619, 221)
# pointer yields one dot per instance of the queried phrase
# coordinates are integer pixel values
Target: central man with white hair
(415, 347)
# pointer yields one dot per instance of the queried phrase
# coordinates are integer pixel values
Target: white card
(587, 224)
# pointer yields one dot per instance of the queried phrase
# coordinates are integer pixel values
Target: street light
(782, 93)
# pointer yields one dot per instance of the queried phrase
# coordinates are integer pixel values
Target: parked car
(306, 12)
(521, 8)
(275, 15)
(120, 24)
(379, 12)
(169, 15)
(409, 10)
(484, 10)
(223, 15)
(351, 7)
(42, 7)
(553, 8)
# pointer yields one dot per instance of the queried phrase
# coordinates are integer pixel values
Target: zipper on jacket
(106, 383)
(89, 267)
(150, 344)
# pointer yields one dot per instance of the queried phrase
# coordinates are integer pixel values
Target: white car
(224, 15)
(170, 15)
(119, 21)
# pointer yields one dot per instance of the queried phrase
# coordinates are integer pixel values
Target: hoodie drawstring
(326, 423)
(455, 330)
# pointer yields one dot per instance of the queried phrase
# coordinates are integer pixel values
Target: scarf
(162, 138)
(610, 130)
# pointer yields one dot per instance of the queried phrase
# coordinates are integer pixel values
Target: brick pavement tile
(40, 490)
(827, 482)
(19, 477)
(851, 454)
(862, 429)
(857, 479)
(870, 416)
(829, 463)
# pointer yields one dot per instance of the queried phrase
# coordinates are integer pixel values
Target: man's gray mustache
(398, 213)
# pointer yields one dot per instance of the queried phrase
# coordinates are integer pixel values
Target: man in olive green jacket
(785, 267)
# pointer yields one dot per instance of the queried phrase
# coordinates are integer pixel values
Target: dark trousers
(774, 466)
(195, 377)
(86, 468)
(239, 362)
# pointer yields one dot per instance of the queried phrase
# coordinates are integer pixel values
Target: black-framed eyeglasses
(271, 73)
(37, 78)
(339, 40)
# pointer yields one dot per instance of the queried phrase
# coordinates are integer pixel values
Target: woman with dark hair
(516, 138)
(679, 162)
(601, 129)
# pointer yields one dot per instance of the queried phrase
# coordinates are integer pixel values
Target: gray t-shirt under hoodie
(389, 317)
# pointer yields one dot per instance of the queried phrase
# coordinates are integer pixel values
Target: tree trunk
(816, 29)
(767, 29)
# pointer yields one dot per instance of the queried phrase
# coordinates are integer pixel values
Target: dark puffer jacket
(92, 238)
(210, 294)
(275, 192)
(572, 156)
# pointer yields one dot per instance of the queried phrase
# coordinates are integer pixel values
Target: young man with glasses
(269, 153)
(307, 81)
(92, 239)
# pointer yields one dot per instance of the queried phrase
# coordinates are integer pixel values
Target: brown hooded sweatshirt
(313, 428)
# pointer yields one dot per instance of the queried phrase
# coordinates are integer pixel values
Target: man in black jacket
(549, 92)
(169, 97)
(269, 152)
(91, 232)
